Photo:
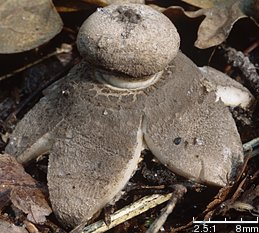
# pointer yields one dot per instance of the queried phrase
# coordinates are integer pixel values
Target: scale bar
(226, 222)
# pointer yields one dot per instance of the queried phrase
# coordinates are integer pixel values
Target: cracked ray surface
(97, 135)
(190, 133)
(94, 131)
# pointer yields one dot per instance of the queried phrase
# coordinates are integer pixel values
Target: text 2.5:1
(204, 228)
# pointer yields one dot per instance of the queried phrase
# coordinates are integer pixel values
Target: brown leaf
(74, 6)
(204, 3)
(26, 24)
(32, 202)
(219, 20)
(218, 23)
(108, 2)
(7, 227)
(79, 5)
(22, 190)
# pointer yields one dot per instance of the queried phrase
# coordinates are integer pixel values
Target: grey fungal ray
(95, 122)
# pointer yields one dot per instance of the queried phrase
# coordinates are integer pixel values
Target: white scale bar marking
(226, 222)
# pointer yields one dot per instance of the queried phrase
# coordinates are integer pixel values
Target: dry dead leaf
(73, 6)
(22, 190)
(108, 2)
(32, 202)
(80, 5)
(219, 20)
(7, 227)
(217, 24)
(204, 3)
(26, 24)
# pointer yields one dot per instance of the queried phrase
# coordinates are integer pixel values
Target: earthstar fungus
(132, 90)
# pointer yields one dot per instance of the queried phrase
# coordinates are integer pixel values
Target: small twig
(180, 190)
(248, 146)
(31, 228)
(27, 66)
(251, 47)
(22, 105)
(238, 59)
(211, 56)
(56, 52)
(255, 152)
(126, 213)
(246, 53)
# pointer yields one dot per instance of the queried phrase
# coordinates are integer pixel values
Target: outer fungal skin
(95, 132)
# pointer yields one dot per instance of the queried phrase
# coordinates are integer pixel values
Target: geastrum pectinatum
(133, 90)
